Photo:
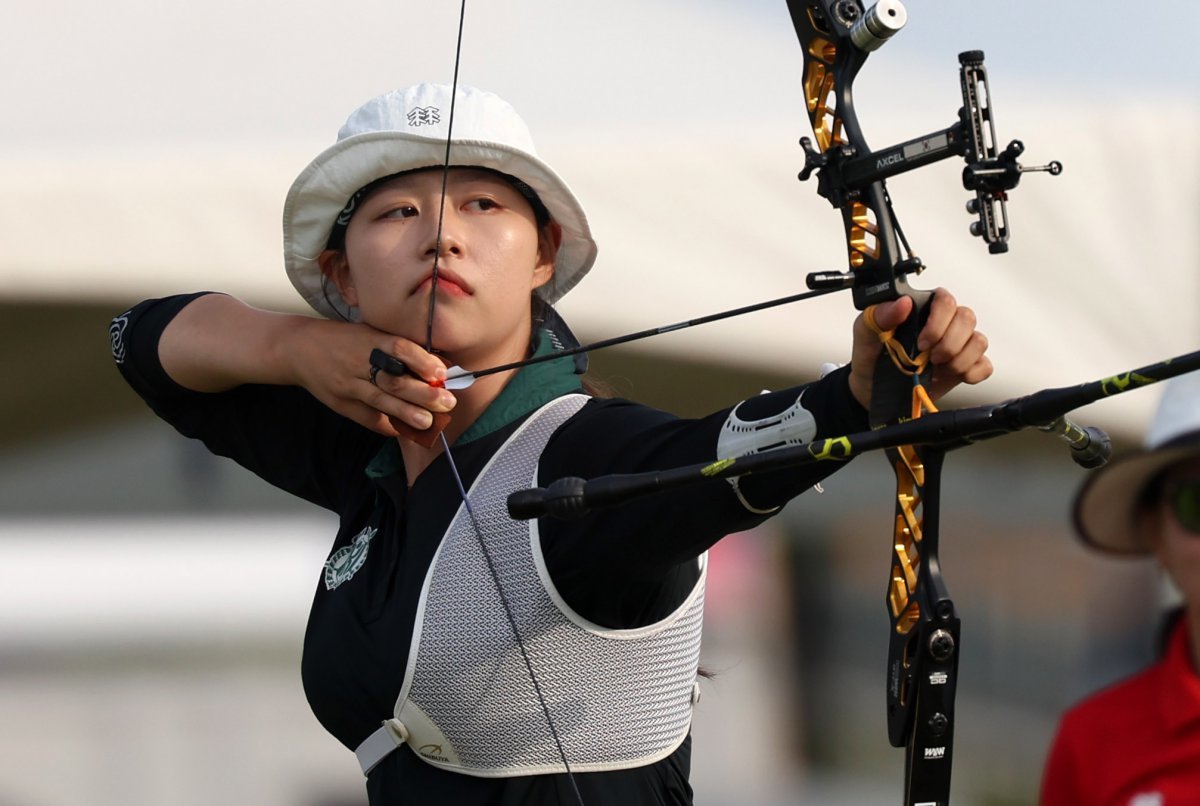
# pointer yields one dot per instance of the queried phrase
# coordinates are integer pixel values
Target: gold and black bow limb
(836, 37)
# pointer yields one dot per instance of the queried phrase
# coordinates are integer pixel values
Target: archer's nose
(443, 239)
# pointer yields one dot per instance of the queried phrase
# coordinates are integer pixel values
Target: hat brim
(1105, 512)
(322, 190)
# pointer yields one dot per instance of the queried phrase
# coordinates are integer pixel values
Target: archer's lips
(447, 283)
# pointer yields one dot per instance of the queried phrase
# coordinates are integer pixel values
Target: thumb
(890, 315)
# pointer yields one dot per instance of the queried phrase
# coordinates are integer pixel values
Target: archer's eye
(403, 211)
(483, 204)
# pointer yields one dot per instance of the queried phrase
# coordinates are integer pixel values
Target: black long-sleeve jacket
(622, 568)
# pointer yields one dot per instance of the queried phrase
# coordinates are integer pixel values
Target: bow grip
(892, 390)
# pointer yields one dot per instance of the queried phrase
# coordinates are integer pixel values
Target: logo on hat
(395, 132)
(424, 116)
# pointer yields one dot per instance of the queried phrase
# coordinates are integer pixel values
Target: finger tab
(425, 437)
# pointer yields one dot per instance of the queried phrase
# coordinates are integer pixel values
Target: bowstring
(487, 554)
(437, 253)
(512, 620)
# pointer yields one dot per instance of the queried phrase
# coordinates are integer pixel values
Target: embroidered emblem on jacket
(116, 335)
(345, 562)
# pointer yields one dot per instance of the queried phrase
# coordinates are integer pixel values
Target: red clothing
(1134, 744)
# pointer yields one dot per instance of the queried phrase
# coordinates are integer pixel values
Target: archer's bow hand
(957, 350)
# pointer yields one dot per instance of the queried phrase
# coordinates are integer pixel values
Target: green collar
(531, 388)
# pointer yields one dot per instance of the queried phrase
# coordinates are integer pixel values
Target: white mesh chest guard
(617, 698)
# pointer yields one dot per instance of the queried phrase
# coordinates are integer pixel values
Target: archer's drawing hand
(957, 349)
(332, 361)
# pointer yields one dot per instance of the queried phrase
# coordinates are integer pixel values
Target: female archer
(1138, 741)
(467, 657)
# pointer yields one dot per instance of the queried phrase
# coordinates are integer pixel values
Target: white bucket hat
(405, 130)
(1106, 504)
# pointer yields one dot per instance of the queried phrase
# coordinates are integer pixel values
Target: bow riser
(836, 37)
(922, 668)
(831, 62)
(921, 674)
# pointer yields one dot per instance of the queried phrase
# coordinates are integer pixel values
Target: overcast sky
(154, 71)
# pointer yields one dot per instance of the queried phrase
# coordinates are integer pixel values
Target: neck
(513, 346)
(472, 402)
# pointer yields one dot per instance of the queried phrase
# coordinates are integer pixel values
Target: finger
(890, 315)
(979, 372)
(425, 437)
(941, 313)
(415, 359)
(417, 413)
(943, 382)
(970, 365)
(367, 417)
(408, 389)
(955, 338)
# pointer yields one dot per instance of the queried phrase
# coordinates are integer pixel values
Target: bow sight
(838, 36)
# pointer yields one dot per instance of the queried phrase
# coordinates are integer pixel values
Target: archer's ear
(336, 268)
(549, 239)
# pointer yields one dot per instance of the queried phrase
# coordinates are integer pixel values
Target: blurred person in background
(465, 656)
(1137, 743)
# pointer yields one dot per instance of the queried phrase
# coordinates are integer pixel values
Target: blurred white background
(154, 598)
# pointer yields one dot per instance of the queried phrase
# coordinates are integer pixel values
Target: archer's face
(492, 258)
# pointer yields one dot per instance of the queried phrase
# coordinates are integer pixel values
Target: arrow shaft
(641, 334)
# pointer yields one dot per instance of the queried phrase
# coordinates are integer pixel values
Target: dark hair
(545, 320)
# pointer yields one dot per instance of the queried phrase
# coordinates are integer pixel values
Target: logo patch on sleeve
(116, 337)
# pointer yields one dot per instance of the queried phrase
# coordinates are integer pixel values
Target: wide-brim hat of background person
(1106, 504)
(405, 130)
